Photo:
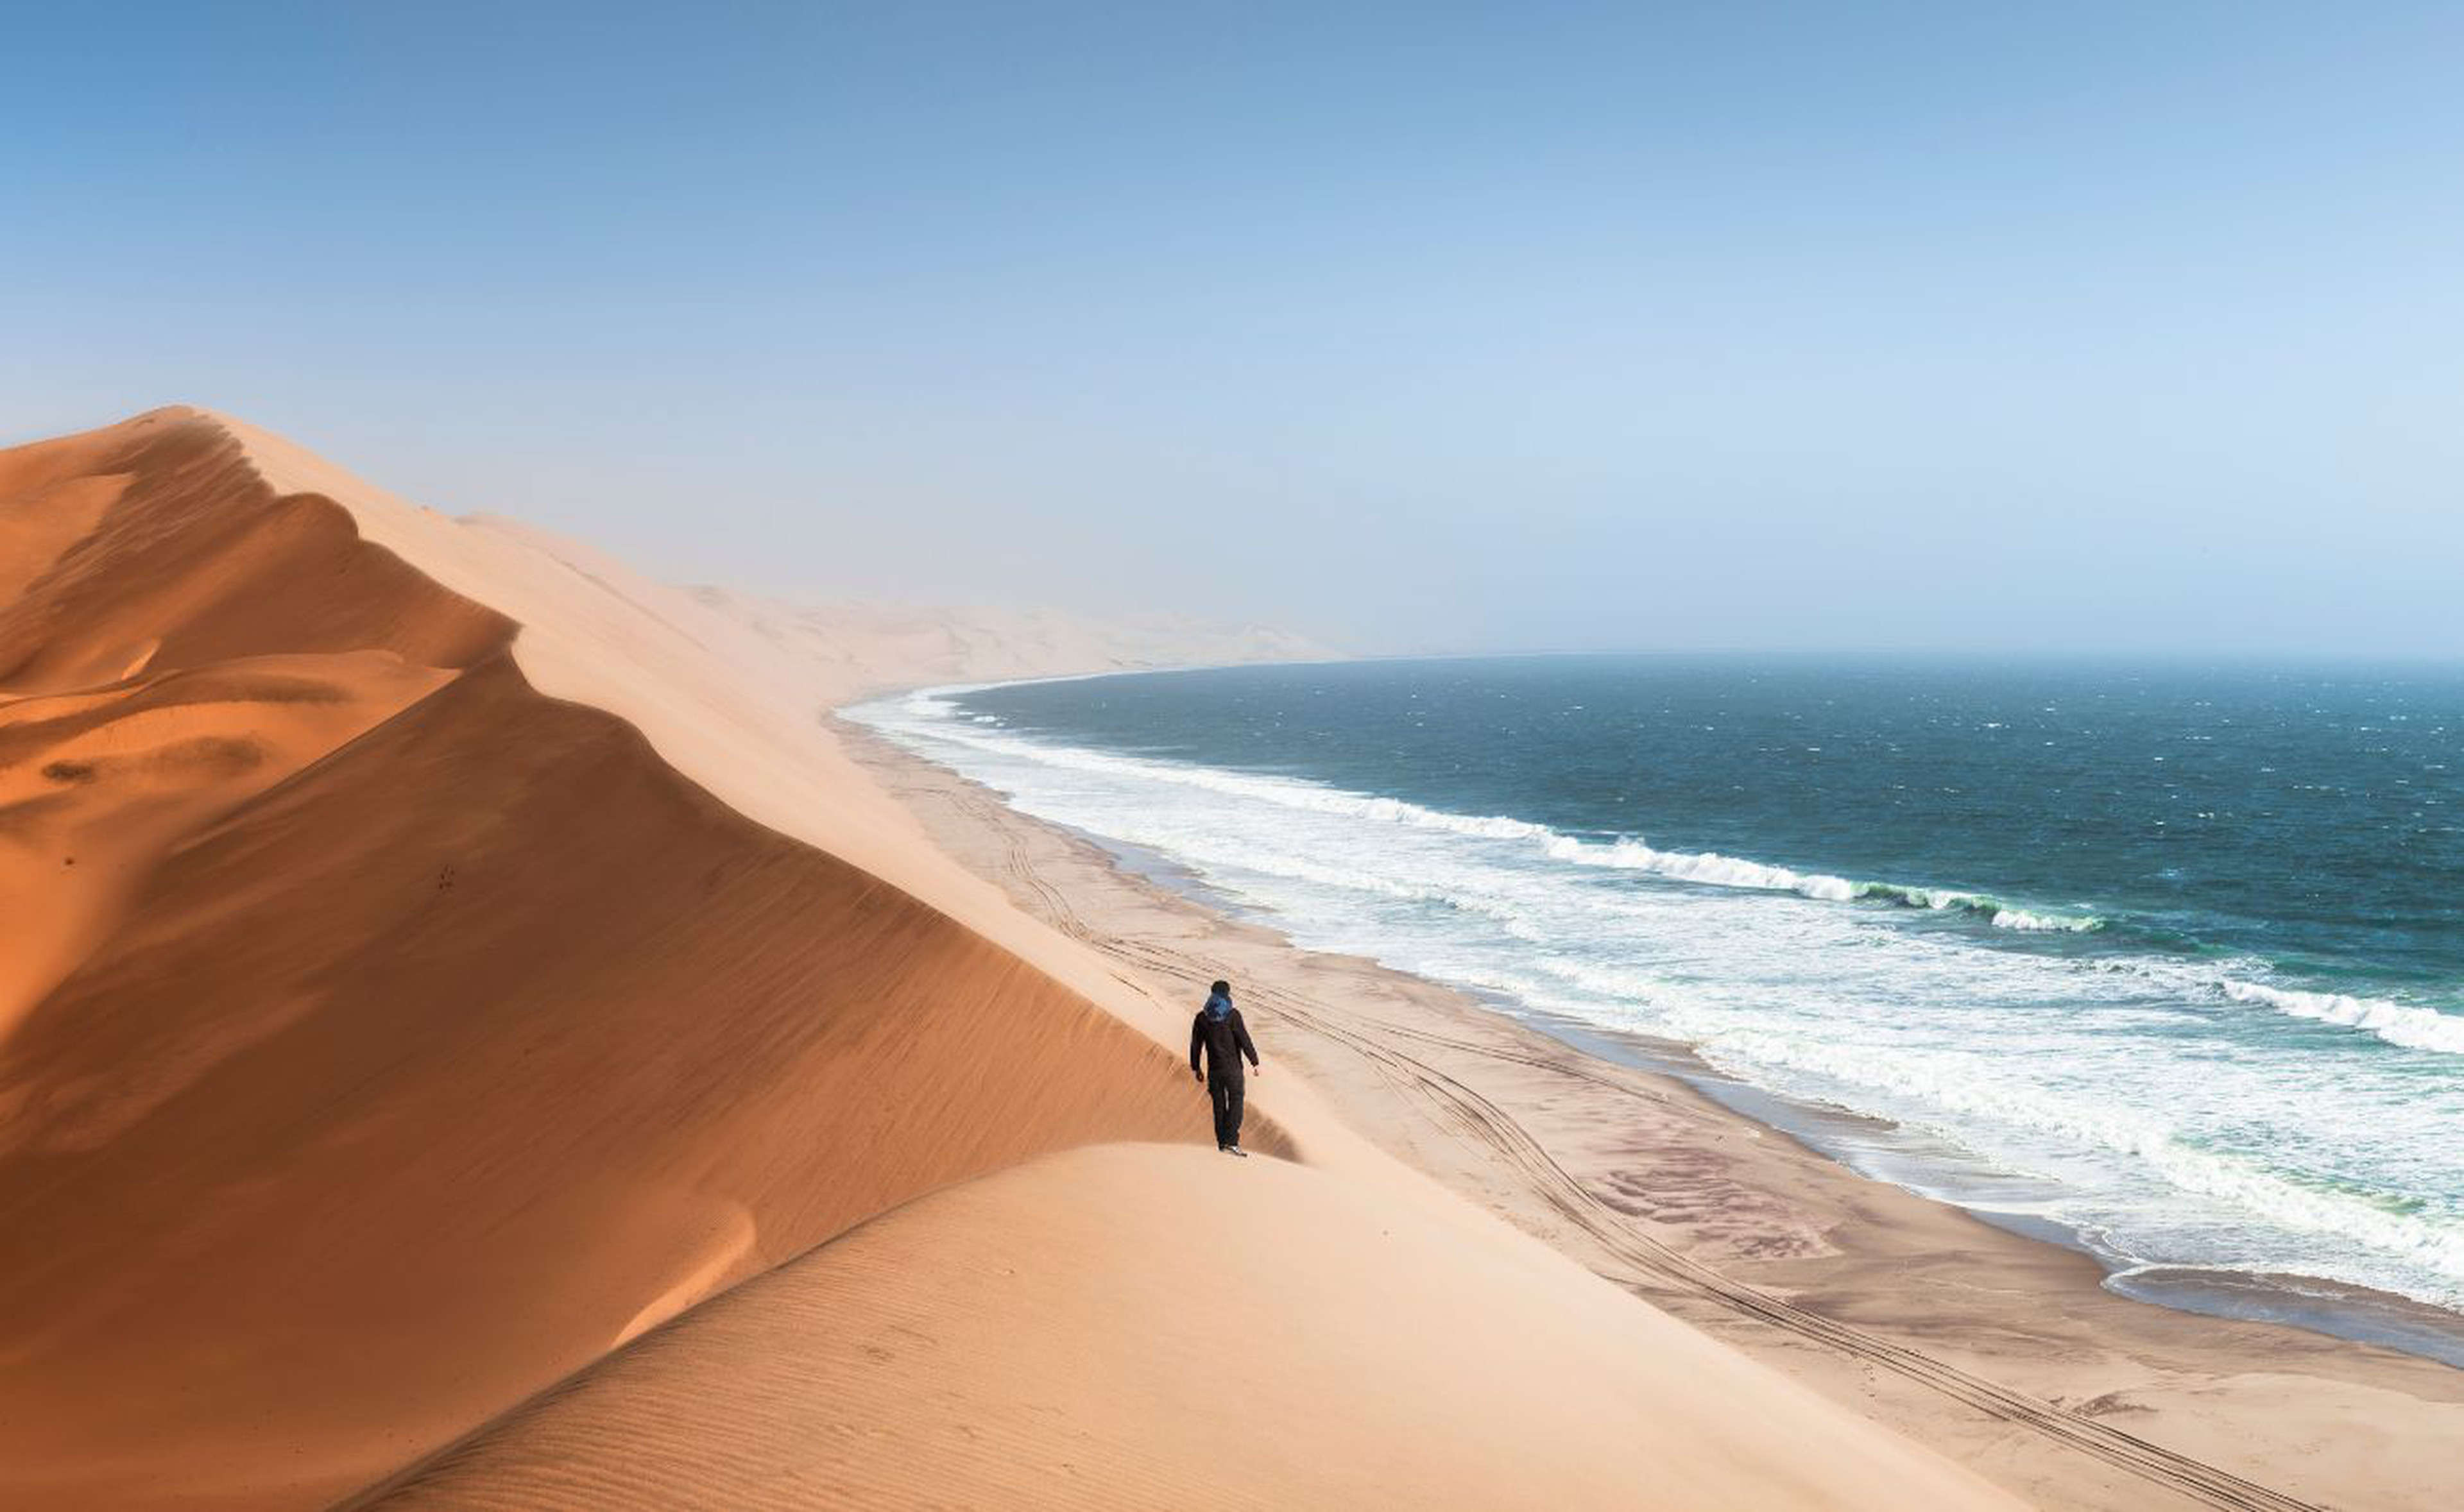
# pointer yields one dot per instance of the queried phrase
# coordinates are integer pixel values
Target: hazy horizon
(1427, 329)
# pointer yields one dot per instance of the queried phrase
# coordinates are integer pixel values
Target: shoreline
(1866, 1147)
(1876, 1147)
(1736, 1189)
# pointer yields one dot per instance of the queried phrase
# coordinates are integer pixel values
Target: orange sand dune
(96, 785)
(436, 958)
(413, 1066)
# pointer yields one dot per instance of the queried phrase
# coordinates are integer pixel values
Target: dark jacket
(1224, 1040)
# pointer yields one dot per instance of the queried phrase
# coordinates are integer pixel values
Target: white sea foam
(1707, 867)
(2397, 1023)
(2027, 919)
(1968, 1091)
(1994, 911)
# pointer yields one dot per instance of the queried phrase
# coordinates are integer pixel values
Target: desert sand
(1142, 1324)
(473, 1033)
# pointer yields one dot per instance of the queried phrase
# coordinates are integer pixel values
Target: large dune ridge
(466, 1029)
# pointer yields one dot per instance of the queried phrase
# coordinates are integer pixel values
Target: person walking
(1218, 1032)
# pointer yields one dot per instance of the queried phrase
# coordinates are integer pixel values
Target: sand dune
(401, 1070)
(860, 645)
(471, 965)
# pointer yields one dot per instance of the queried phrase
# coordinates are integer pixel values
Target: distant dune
(865, 645)
(437, 957)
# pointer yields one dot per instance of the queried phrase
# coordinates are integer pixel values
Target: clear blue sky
(1420, 326)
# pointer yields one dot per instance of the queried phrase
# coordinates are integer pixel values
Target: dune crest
(478, 958)
(415, 1037)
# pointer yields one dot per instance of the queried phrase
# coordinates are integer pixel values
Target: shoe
(1235, 1149)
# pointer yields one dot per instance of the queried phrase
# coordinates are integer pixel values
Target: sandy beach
(2001, 1352)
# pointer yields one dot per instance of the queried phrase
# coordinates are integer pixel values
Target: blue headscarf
(1217, 1006)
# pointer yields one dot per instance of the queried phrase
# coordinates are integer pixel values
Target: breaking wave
(2397, 1023)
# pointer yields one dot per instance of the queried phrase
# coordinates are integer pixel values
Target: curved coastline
(1873, 1145)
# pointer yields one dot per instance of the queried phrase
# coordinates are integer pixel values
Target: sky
(1427, 327)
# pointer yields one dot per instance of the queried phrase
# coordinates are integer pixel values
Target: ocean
(2170, 959)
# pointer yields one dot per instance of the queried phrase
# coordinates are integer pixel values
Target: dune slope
(1141, 1325)
(408, 1039)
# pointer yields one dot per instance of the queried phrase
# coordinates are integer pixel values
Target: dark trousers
(1224, 1092)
